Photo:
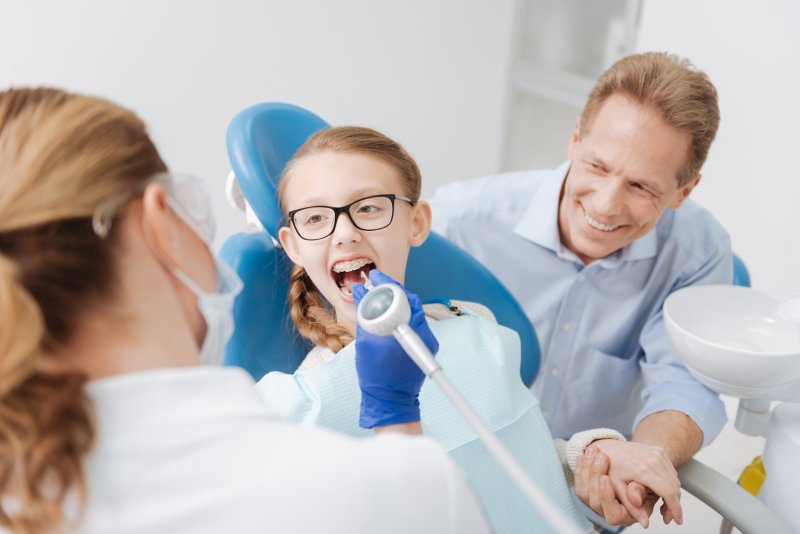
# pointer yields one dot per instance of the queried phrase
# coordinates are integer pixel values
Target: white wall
(749, 48)
(432, 74)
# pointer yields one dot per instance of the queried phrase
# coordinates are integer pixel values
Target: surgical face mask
(189, 199)
(216, 309)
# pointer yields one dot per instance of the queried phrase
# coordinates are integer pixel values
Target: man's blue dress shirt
(606, 358)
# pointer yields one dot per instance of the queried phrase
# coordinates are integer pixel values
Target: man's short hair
(683, 96)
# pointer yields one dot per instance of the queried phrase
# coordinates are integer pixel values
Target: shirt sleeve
(472, 199)
(668, 384)
(442, 210)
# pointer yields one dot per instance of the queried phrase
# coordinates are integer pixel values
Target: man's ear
(288, 240)
(420, 224)
(574, 139)
(160, 225)
(685, 191)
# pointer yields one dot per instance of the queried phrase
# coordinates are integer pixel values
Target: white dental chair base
(781, 452)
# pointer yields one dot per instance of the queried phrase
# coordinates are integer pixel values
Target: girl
(351, 199)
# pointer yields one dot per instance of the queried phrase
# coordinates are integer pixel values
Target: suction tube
(385, 311)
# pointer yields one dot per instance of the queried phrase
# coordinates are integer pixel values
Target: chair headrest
(261, 140)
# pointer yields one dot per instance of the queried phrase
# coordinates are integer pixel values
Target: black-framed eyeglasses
(369, 213)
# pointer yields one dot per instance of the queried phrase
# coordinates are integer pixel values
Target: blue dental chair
(741, 276)
(261, 140)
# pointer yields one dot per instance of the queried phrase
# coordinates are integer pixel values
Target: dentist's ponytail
(45, 422)
(63, 157)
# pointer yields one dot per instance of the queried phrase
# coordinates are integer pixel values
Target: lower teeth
(346, 290)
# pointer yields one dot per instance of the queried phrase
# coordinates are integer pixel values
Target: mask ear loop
(164, 180)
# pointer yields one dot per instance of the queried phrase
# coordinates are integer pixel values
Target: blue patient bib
(482, 360)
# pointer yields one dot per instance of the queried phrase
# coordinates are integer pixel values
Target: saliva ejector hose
(385, 311)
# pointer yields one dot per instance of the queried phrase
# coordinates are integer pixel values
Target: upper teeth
(347, 266)
(597, 224)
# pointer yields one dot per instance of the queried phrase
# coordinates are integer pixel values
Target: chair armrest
(730, 500)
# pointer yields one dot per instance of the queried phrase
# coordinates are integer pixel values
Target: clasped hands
(622, 481)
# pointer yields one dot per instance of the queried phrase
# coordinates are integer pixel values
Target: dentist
(110, 300)
(592, 249)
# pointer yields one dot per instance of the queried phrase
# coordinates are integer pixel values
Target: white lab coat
(196, 450)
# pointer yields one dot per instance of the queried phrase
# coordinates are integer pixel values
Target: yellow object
(753, 476)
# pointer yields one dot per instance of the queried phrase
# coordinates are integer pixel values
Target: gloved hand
(389, 379)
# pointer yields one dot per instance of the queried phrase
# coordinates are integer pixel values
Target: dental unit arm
(385, 311)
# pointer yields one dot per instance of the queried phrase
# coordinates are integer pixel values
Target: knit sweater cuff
(570, 451)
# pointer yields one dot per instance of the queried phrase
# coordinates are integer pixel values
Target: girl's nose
(345, 231)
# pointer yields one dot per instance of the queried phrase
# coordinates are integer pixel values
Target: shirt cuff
(701, 404)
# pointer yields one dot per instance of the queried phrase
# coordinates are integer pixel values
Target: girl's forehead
(336, 178)
(336, 162)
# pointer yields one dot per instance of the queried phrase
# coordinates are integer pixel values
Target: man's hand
(673, 431)
(636, 474)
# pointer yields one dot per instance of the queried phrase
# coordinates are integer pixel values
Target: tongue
(353, 277)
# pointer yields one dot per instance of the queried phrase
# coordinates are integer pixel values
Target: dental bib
(482, 360)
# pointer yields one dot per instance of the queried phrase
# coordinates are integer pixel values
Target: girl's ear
(288, 241)
(421, 223)
(160, 225)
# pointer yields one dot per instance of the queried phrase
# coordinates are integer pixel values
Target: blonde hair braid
(311, 316)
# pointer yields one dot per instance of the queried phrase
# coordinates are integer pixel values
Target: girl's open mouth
(346, 273)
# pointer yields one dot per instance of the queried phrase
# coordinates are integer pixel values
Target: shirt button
(567, 327)
(581, 278)
(554, 371)
(545, 413)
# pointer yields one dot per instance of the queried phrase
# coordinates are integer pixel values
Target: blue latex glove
(389, 379)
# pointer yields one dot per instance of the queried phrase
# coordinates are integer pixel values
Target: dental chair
(261, 140)
(741, 276)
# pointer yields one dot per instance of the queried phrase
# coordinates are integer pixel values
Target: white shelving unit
(560, 47)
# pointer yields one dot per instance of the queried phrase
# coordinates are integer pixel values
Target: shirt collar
(539, 224)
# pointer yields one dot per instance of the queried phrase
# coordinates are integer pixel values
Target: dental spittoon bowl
(732, 339)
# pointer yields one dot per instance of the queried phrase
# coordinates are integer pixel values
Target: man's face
(624, 175)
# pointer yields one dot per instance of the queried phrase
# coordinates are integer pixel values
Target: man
(592, 249)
